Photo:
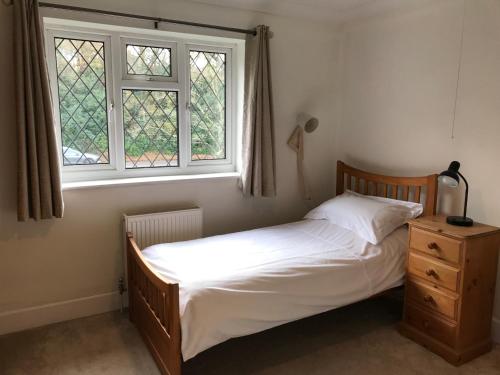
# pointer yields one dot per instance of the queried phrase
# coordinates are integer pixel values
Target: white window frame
(117, 79)
(150, 43)
(229, 96)
(52, 68)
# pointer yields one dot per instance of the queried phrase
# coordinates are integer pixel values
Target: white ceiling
(325, 10)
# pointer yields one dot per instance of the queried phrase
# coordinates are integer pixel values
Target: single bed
(267, 276)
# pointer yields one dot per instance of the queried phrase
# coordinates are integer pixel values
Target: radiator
(172, 226)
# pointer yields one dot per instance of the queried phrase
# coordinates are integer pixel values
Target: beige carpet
(358, 339)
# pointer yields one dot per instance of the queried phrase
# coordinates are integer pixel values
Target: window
(134, 105)
(148, 61)
(150, 128)
(208, 104)
(81, 84)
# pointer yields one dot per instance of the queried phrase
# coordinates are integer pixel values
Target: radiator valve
(121, 289)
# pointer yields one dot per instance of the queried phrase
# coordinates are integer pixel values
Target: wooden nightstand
(450, 287)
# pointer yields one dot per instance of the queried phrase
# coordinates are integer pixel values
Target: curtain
(39, 179)
(258, 169)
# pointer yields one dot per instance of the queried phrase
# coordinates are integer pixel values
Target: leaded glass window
(81, 84)
(208, 105)
(131, 103)
(150, 128)
(149, 61)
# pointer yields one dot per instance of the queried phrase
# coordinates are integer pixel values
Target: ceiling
(325, 10)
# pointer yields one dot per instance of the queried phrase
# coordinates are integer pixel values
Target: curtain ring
(8, 2)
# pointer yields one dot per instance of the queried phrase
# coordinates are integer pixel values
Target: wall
(398, 95)
(80, 255)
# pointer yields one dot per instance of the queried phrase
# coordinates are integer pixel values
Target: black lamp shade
(451, 177)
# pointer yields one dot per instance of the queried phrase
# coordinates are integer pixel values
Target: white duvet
(242, 283)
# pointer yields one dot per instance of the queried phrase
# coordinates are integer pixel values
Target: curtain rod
(156, 20)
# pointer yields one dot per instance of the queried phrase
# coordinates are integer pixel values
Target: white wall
(80, 255)
(398, 90)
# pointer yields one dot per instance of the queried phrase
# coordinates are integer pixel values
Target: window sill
(145, 180)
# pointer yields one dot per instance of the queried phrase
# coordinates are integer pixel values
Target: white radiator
(172, 226)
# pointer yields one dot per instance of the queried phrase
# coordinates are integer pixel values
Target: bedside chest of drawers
(450, 287)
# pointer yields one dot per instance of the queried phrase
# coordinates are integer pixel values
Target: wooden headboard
(412, 189)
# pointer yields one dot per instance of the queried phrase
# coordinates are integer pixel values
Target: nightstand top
(439, 224)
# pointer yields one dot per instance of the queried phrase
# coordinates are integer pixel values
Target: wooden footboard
(154, 309)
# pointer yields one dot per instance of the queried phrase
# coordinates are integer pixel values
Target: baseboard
(19, 320)
(495, 329)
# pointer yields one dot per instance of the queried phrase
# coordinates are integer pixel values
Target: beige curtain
(39, 182)
(258, 170)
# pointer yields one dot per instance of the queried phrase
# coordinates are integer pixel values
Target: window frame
(52, 70)
(118, 79)
(177, 127)
(229, 97)
(172, 46)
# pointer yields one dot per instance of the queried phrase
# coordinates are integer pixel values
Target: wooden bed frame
(154, 300)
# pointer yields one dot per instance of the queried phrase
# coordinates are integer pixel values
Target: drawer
(433, 271)
(435, 245)
(430, 325)
(431, 298)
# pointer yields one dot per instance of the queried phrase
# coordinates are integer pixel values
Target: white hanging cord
(459, 72)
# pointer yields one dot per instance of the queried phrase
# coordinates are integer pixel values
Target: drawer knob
(428, 299)
(433, 246)
(431, 272)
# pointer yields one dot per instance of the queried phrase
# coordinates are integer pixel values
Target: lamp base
(461, 221)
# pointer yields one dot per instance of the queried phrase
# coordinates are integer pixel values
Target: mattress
(242, 283)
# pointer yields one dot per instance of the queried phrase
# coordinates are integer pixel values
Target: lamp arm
(466, 192)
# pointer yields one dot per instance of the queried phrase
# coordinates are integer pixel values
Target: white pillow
(371, 218)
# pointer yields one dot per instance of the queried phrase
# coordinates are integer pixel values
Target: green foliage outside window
(150, 117)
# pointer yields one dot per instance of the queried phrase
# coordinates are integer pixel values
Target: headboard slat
(417, 194)
(356, 185)
(384, 190)
(426, 185)
(405, 193)
(394, 191)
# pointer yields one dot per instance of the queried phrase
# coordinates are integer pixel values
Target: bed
(277, 275)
